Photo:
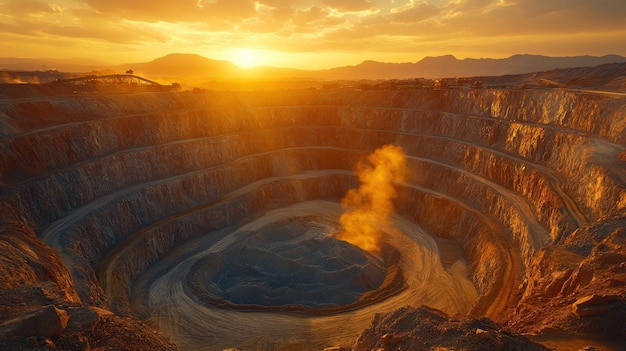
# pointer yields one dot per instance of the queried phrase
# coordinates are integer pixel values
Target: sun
(246, 57)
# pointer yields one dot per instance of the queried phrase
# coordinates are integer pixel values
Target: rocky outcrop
(425, 329)
(578, 284)
(27, 261)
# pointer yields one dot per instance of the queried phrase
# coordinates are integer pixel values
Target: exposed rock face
(26, 260)
(427, 329)
(523, 189)
(578, 286)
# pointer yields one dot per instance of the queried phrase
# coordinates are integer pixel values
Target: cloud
(271, 17)
(176, 11)
(350, 5)
(309, 15)
(414, 12)
(315, 19)
(79, 23)
(28, 7)
(460, 26)
(408, 27)
(416, 18)
(536, 16)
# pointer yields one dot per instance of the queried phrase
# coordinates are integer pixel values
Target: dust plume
(368, 208)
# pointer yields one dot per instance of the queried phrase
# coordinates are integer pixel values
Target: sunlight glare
(245, 57)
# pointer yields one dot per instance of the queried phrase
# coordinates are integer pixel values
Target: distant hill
(183, 65)
(449, 66)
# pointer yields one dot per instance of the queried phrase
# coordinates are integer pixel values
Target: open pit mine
(278, 220)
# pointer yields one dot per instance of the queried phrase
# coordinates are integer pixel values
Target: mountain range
(450, 66)
(183, 66)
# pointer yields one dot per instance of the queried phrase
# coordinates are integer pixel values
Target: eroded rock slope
(518, 194)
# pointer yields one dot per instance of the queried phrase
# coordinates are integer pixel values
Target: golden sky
(309, 34)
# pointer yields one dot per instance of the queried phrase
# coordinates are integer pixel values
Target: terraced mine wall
(122, 184)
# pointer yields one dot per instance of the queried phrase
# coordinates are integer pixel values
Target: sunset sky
(309, 33)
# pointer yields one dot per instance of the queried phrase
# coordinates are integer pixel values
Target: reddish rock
(482, 334)
(593, 305)
(86, 317)
(427, 329)
(389, 340)
(596, 299)
(47, 321)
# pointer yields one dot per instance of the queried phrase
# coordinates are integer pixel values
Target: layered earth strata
(208, 215)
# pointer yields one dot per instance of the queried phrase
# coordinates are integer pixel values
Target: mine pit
(218, 218)
(288, 262)
(286, 268)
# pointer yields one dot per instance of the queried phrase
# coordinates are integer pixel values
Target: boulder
(389, 341)
(47, 321)
(86, 317)
(482, 334)
(593, 305)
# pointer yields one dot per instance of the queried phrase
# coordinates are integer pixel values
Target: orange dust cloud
(368, 208)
